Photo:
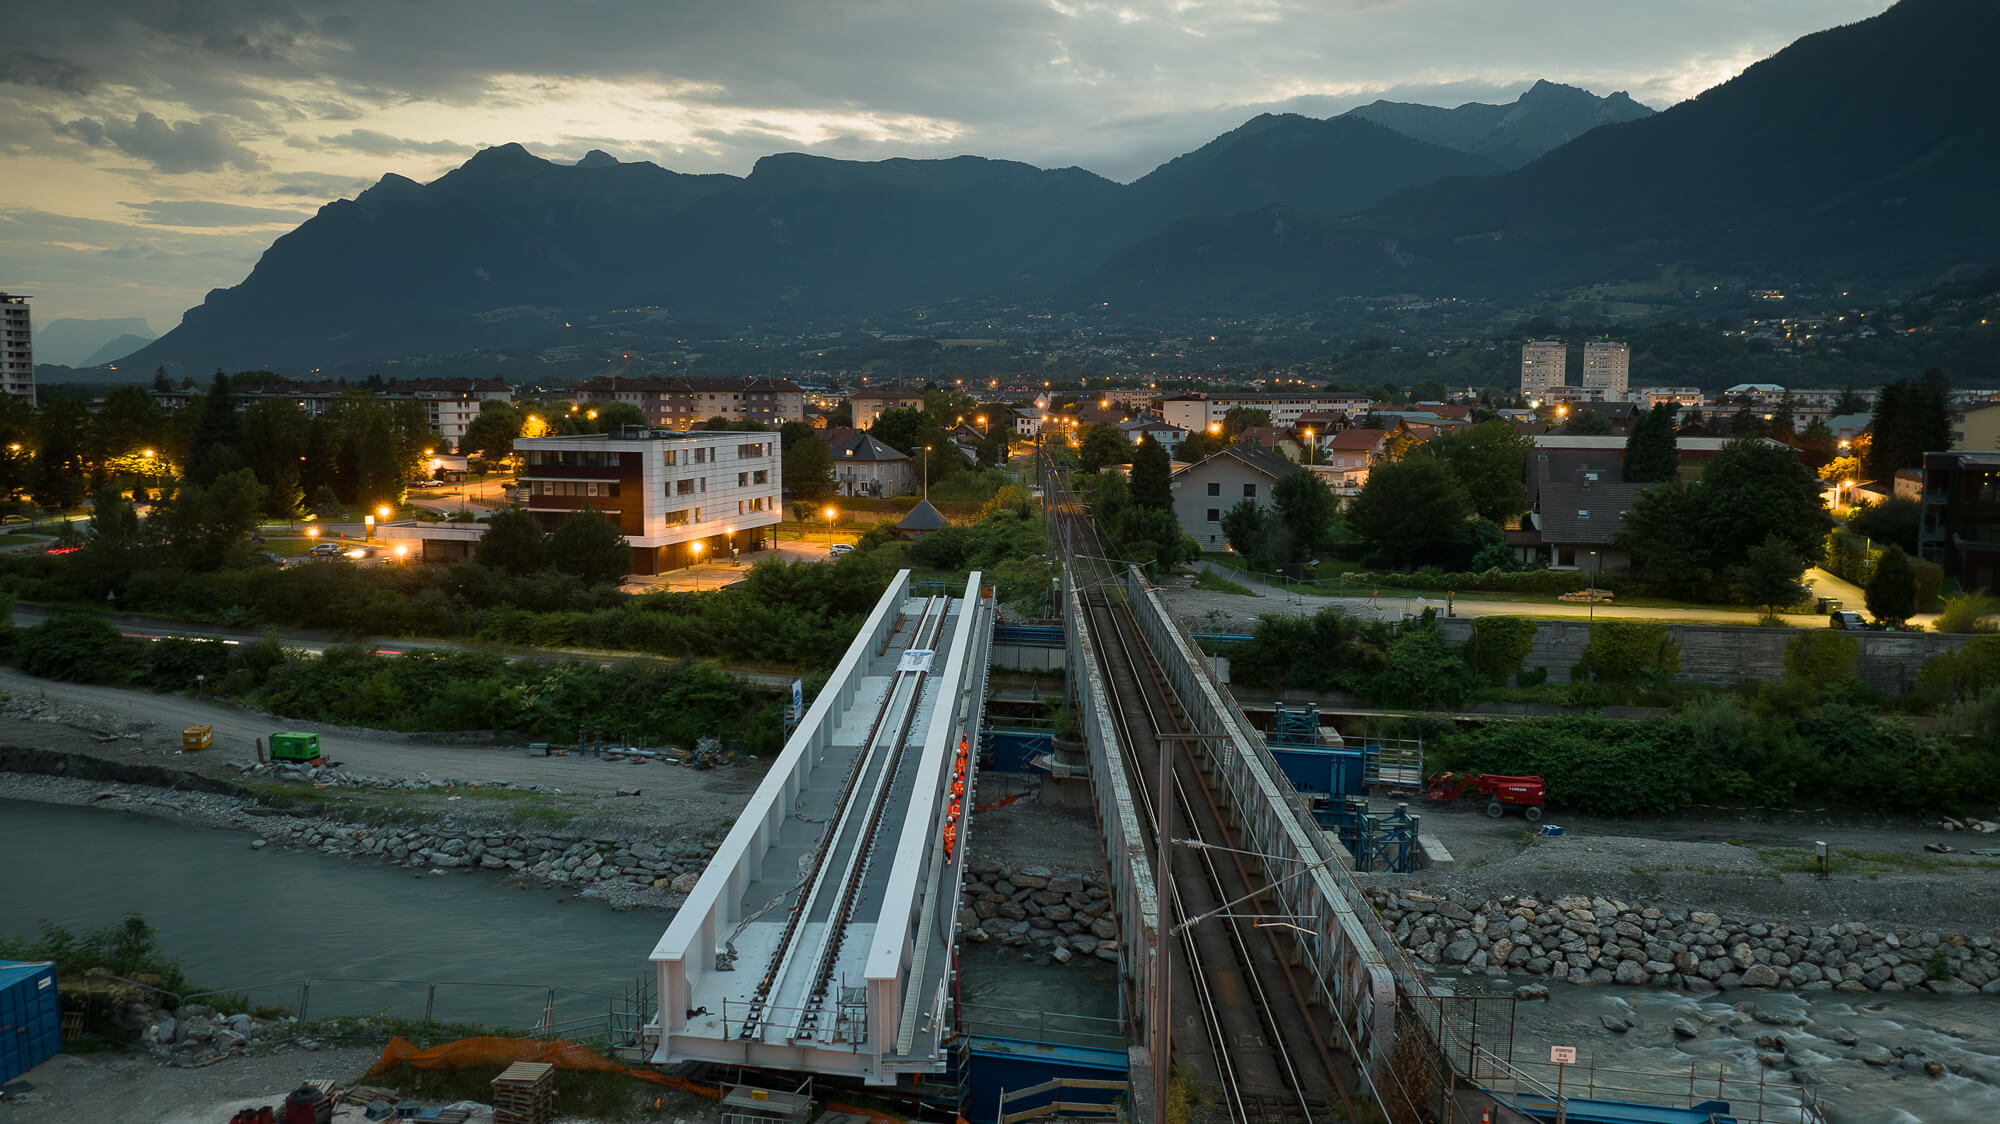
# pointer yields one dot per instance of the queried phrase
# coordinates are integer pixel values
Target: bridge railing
(1350, 973)
(1127, 844)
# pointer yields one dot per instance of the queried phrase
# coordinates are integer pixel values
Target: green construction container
(294, 747)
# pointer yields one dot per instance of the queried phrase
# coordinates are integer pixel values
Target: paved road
(1395, 603)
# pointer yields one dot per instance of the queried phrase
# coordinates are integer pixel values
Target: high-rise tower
(1544, 364)
(1607, 365)
(17, 347)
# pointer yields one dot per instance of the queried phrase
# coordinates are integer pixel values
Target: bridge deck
(819, 938)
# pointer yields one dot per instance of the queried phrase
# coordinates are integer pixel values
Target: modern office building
(1544, 366)
(677, 496)
(1960, 526)
(1607, 368)
(17, 347)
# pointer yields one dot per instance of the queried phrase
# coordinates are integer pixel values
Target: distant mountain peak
(597, 158)
(1546, 116)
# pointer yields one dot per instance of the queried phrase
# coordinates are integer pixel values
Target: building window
(743, 480)
(684, 487)
(697, 515)
(1215, 515)
(1215, 488)
(745, 452)
(671, 457)
(677, 518)
(1249, 491)
(761, 476)
(590, 488)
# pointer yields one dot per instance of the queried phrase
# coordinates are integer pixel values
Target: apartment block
(680, 403)
(666, 490)
(1607, 369)
(17, 347)
(1544, 366)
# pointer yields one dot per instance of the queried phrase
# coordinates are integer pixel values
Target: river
(262, 921)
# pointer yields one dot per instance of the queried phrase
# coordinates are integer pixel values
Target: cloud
(382, 144)
(206, 145)
(202, 212)
(26, 68)
(317, 185)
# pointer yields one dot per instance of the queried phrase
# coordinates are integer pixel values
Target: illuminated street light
(831, 514)
(696, 547)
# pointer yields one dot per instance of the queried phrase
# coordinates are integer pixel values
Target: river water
(262, 921)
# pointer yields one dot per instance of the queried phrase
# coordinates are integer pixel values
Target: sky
(150, 150)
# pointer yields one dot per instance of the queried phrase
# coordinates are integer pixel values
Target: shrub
(1498, 645)
(1630, 652)
(76, 647)
(1968, 612)
(1823, 656)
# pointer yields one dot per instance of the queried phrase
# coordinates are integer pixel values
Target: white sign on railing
(1562, 1055)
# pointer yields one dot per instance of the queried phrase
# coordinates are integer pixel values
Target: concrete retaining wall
(1725, 655)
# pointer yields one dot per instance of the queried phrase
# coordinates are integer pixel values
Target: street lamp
(927, 474)
(831, 513)
(695, 546)
(1593, 589)
(1312, 447)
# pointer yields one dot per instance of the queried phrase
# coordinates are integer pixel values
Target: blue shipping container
(30, 1017)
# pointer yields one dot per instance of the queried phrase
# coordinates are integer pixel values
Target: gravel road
(139, 727)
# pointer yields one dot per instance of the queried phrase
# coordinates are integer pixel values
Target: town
(1169, 564)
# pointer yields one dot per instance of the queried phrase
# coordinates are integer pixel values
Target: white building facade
(17, 347)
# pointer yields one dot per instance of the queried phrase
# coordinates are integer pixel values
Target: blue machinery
(1337, 779)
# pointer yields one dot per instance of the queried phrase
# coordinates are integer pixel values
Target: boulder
(1760, 975)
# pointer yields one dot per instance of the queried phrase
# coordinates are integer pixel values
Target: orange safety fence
(468, 1053)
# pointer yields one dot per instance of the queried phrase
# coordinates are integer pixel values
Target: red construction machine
(1501, 793)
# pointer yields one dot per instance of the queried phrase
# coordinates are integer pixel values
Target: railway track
(1259, 1041)
(831, 888)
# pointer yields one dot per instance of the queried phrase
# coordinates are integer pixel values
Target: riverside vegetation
(1818, 738)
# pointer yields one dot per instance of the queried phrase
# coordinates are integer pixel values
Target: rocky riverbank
(629, 865)
(1056, 916)
(1594, 940)
(621, 869)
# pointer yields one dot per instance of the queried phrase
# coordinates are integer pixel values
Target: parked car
(325, 550)
(840, 548)
(1847, 619)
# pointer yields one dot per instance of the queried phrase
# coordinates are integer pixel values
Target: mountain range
(1864, 153)
(71, 342)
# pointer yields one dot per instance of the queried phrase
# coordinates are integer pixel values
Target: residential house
(1960, 527)
(864, 466)
(1976, 427)
(1580, 500)
(867, 405)
(1346, 457)
(1169, 437)
(1209, 487)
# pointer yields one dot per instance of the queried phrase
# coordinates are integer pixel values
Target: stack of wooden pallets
(525, 1094)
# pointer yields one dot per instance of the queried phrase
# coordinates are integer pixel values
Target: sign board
(916, 659)
(1562, 1055)
(798, 696)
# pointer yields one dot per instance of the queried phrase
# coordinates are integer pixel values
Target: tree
(1104, 445)
(205, 526)
(589, 545)
(1247, 529)
(380, 471)
(1661, 533)
(160, 383)
(1198, 445)
(1769, 575)
(610, 417)
(1652, 449)
(1892, 588)
(1817, 442)
(492, 433)
(805, 465)
(213, 449)
(1408, 509)
(1307, 514)
(128, 422)
(1587, 423)
(275, 430)
(1751, 489)
(513, 542)
(1850, 401)
(1489, 460)
(1240, 418)
(1911, 419)
(61, 478)
(1152, 472)
(1893, 521)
